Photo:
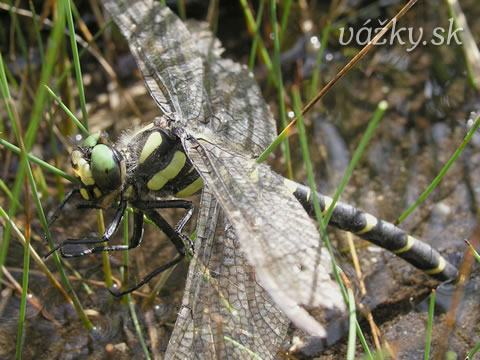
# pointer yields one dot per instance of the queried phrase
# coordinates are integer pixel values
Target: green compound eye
(105, 168)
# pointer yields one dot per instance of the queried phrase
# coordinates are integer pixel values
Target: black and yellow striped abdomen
(379, 232)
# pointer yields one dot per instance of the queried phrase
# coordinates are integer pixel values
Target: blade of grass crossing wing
(318, 212)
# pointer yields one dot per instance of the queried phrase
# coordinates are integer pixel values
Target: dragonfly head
(100, 169)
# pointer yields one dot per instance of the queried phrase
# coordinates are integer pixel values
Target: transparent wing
(225, 314)
(241, 120)
(276, 235)
(221, 102)
(166, 55)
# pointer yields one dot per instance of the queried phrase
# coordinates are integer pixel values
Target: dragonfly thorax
(148, 161)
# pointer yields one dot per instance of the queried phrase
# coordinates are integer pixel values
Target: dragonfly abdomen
(379, 232)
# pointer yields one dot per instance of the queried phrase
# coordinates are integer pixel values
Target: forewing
(236, 115)
(241, 120)
(276, 235)
(221, 102)
(225, 314)
(166, 55)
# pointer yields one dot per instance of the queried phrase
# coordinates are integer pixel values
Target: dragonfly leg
(174, 236)
(110, 231)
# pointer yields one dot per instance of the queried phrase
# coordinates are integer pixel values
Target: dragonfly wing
(276, 235)
(166, 55)
(225, 314)
(185, 75)
(241, 120)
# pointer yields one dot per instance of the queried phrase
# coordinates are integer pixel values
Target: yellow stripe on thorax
(154, 141)
(163, 176)
(190, 189)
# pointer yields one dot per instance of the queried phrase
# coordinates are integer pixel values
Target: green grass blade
(308, 165)
(278, 140)
(38, 161)
(19, 34)
(7, 191)
(431, 310)
(127, 299)
(256, 36)
(25, 168)
(138, 330)
(25, 274)
(352, 327)
(278, 75)
(318, 60)
(468, 44)
(321, 221)
(442, 173)
(368, 353)
(372, 125)
(67, 111)
(37, 258)
(54, 46)
(472, 353)
(84, 50)
(251, 24)
(472, 249)
(38, 36)
(124, 269)
(107, 269)
(76, 61)
(287, 6)
(31, 183)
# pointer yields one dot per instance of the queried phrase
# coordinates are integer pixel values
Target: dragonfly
(258, 261)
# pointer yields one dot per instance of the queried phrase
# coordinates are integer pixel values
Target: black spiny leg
(174, 236)
(168, 204)
(171, 204)
(60, 207)
(111, 229)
